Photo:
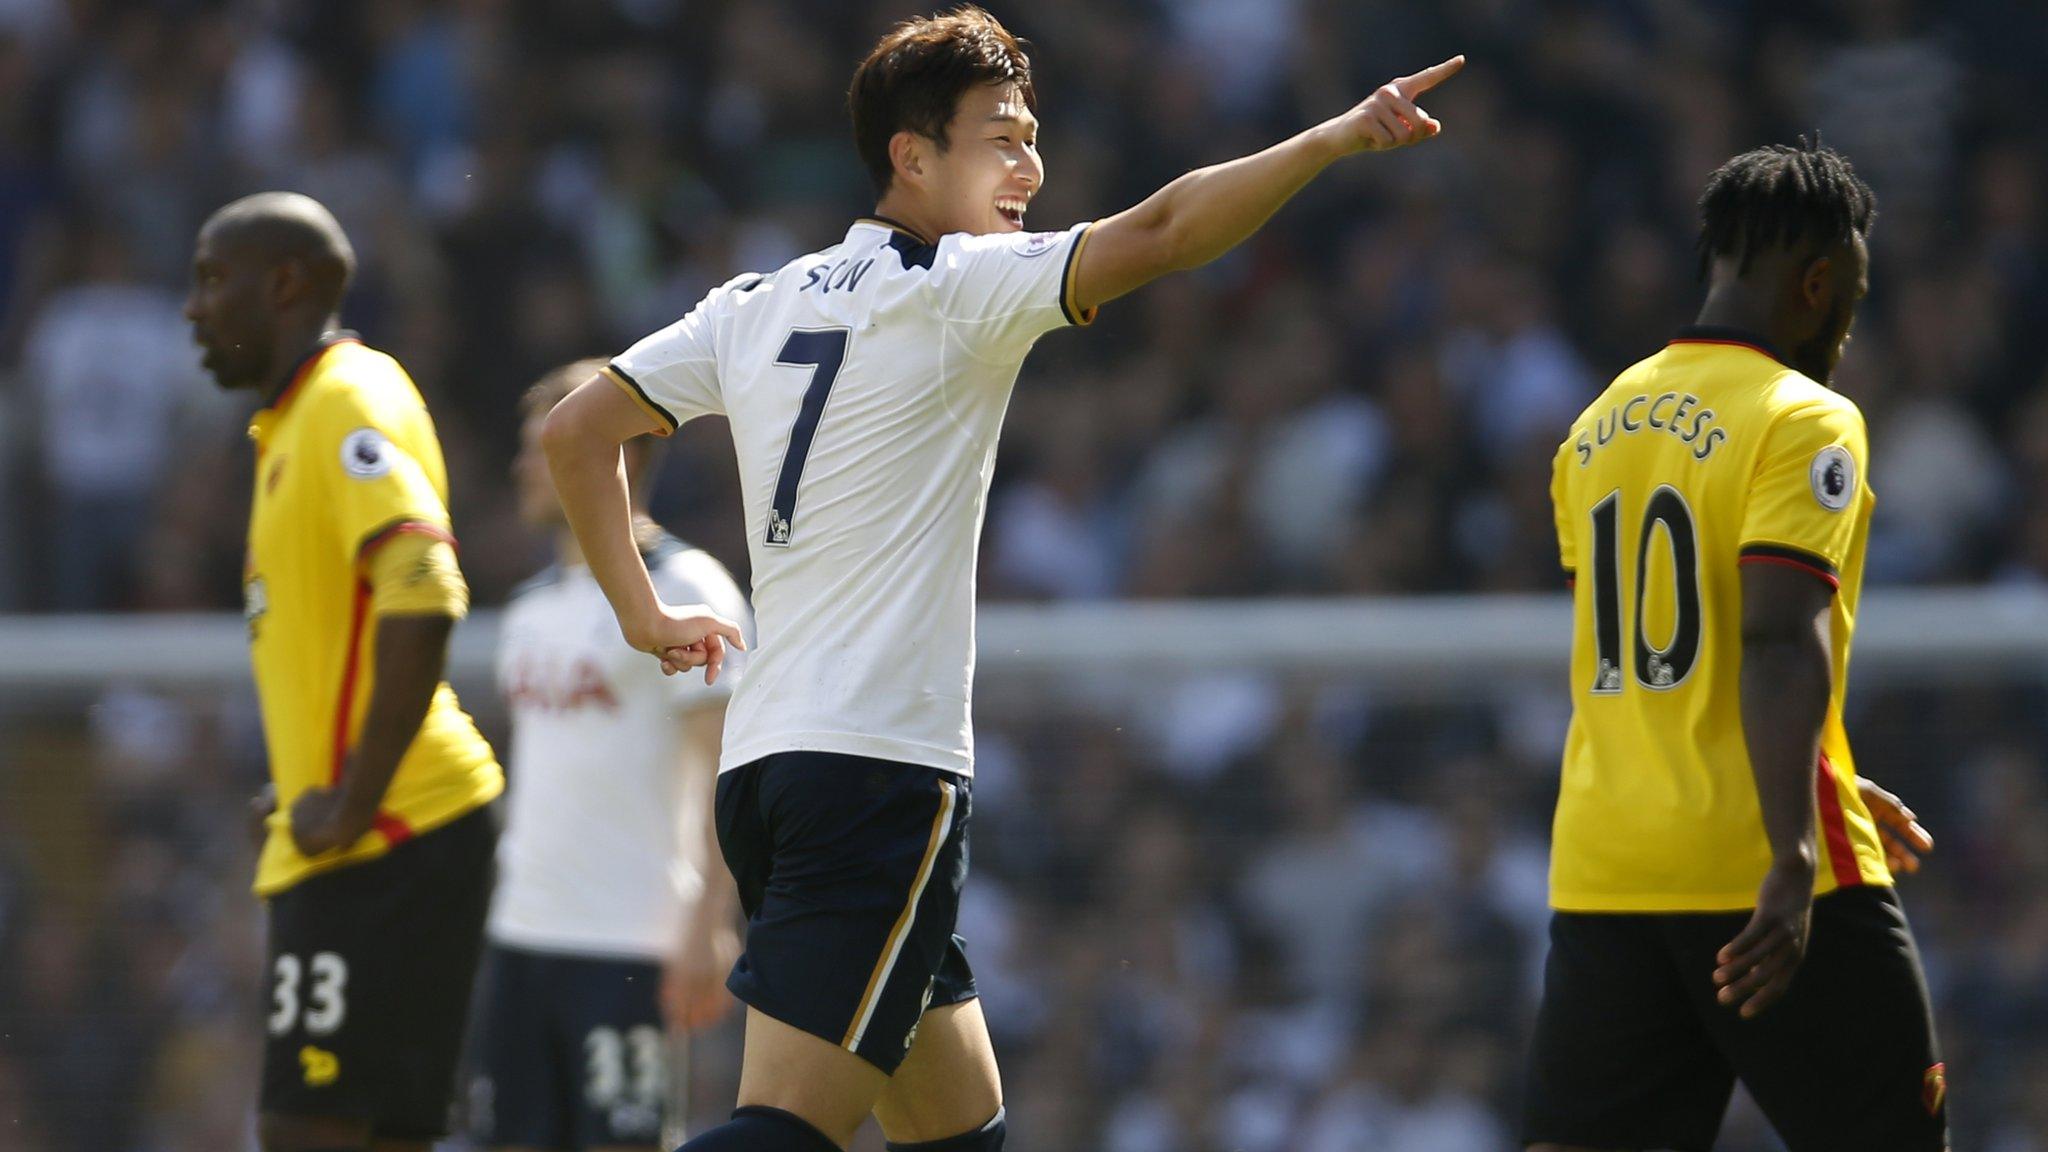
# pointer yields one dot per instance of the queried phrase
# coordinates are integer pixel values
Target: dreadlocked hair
(1780, 195)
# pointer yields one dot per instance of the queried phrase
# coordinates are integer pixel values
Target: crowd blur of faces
(1225, 912)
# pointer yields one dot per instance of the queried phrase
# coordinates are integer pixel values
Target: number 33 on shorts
(313, 992)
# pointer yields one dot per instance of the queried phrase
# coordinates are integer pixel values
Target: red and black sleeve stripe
(1799, 558)
(384, 533)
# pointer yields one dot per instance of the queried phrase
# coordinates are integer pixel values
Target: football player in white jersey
(612, 909)
(865, 385)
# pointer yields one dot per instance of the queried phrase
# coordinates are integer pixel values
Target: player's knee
(283, 1132)
(757, 1129)
(987, 1138)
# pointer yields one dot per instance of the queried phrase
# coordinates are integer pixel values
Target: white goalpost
(1418, 641)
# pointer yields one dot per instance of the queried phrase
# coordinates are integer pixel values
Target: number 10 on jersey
(1656, 668)
(823, 351)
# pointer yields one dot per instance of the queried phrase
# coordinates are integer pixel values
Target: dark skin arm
(1787, 677)
(410, 653)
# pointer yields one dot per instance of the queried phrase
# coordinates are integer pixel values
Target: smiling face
(982, 179)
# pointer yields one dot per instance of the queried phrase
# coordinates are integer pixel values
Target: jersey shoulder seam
(1020, 310)
(1820, 403)
(357, 392)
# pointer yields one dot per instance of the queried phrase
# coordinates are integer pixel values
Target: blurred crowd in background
(1239, 914)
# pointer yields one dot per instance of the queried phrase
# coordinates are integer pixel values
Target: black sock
(758, 1129)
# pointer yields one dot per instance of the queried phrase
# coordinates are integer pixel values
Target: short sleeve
(1809, 493)
(673, 374)
(693, 578)
(416, 574)
(1005, 290)
(1561, 513)
(376, 487)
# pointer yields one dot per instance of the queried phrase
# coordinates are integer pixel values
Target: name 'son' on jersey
(844, 276)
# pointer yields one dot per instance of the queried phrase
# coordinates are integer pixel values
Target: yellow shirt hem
(1676, 903)
(297, 868)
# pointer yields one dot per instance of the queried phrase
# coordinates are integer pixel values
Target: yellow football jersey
(346, 460)
(1706, 456)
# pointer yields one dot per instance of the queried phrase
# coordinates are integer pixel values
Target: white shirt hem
(850, 744)
(581, 947)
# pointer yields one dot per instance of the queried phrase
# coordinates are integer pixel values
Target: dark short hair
(914, 77)
(283, 226)
(1782, 196)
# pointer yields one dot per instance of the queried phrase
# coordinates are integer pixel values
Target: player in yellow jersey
(1723, 905)
(377, 861)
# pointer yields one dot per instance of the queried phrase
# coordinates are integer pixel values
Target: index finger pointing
(1423, 81)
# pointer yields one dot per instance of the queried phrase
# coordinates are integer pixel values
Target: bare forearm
(717, 906)
(590, 480)
(718, 903)
(410, 653)
(1785, 690)
(1209, 211)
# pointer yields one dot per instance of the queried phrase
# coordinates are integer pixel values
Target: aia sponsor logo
(560, 688)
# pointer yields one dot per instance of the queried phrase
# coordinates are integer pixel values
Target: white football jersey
(865, 385)
(590, 862)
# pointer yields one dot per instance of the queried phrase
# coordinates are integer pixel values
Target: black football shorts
(368, 982)
(1632, 1051)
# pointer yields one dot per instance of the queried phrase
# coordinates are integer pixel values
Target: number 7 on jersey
(823, 351)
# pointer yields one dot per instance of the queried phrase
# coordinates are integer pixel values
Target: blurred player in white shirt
(865, 385)
(613, 912)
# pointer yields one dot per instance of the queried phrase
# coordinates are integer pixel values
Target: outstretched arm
(1209, 211)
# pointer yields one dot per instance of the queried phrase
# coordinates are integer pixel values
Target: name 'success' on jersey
(1707, 456)
(865, 385)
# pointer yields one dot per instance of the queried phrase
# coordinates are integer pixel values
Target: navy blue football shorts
(849, 869)
(570, 1052)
